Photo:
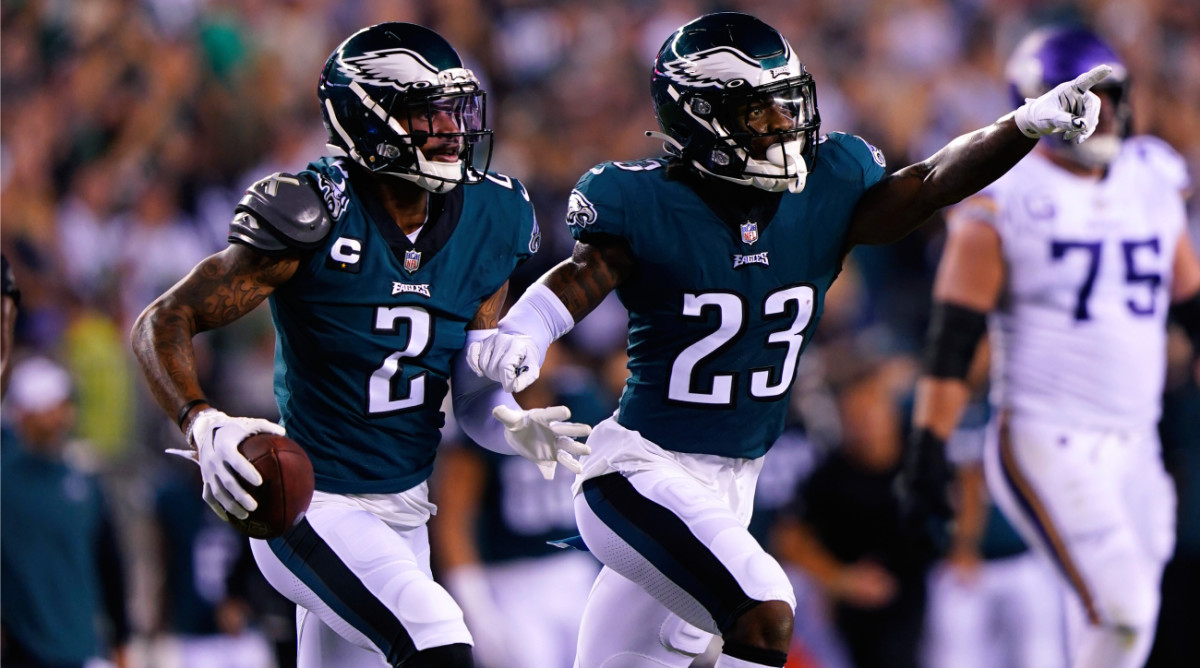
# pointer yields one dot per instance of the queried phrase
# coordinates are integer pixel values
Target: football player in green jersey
(722, 254)
(379, 270)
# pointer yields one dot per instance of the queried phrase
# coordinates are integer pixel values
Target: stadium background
(128, 129)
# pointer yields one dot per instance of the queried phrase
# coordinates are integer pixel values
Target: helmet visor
(456, 117)
(786, 107)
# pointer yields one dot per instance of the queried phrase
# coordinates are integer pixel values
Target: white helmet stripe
(378, 110)
(333, 119)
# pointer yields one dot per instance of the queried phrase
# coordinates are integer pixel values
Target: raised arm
(222, 288)
(902, 201)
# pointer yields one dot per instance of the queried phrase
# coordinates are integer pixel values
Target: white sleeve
(540, 315)
(475, 397)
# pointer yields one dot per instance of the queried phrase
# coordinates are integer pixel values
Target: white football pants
(363, 586)
(679, 564)
(1101, 507)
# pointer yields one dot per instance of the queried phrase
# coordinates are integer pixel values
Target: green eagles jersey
(718, 316)
(366, 333)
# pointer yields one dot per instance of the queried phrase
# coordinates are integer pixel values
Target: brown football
(287, 486)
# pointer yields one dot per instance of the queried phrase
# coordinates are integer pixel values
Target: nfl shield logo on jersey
(412, 261)
(749, 233)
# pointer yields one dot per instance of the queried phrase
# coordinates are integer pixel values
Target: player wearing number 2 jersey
(1077, 254)
(379, 270)
(722, 254)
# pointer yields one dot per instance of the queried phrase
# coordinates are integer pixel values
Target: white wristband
(1021, 117)
(540, 315)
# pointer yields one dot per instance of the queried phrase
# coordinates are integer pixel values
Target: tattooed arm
(489, 311)
(594, 269)
(219, 290)
(548, 309)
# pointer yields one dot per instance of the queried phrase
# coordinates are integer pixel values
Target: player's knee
(425, 608)
(1130, 608)
(766, 626)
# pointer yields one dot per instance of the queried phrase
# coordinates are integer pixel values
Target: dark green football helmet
(396, 98)
(733, 100)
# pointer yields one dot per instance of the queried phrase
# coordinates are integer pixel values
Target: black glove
(924, 479)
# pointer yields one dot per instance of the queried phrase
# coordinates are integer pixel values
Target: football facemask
(767, 131)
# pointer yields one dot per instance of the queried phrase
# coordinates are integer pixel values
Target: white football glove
(215, 438)
(541, 436)
(1069, 107)
(513, 360)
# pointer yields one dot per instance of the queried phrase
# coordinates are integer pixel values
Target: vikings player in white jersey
(1071, 261)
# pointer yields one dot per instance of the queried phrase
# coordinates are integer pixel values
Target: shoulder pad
(855, 145)
(506, 182)
(281, 211)
(850, 159)
(1162, 159)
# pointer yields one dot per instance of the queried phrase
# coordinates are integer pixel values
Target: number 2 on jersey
(731, 323)
(1129, 251)
(380, 397)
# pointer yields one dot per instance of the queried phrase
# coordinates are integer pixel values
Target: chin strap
(784, 168)
(428, 181)
(434, 176)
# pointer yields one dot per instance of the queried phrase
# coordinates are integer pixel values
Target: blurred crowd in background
(130, 128)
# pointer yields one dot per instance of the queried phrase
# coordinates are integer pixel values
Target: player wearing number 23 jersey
(719, 313)
(722, 254)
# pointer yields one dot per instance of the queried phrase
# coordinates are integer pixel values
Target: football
(287, 486)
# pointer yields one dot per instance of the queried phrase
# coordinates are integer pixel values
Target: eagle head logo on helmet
(399, 68)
